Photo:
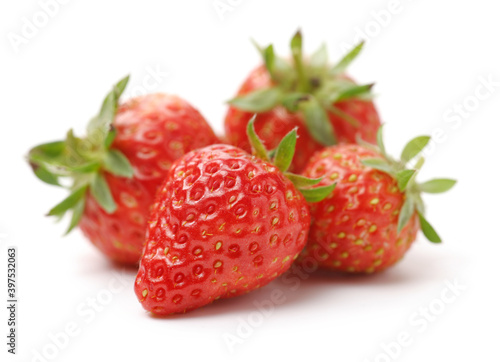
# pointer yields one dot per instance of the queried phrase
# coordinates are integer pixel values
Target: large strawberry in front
(325, 105)
(372, 218)
(118, 167)
(224, 223)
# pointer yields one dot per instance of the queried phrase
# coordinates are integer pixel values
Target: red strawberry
(117, 169)
(224, 223)
(373, 216)
(324, 104)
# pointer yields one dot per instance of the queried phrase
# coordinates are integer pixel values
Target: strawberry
(224, 223)
(371, 219)
(325, 105)
(118, 167)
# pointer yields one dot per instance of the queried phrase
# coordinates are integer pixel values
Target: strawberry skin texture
(224, 223)
(152, 132)
(355, 228)
(273, 125)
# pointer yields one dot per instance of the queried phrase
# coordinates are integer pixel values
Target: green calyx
(307, 85)
(406, 179)
(83, 161)
(282, 157)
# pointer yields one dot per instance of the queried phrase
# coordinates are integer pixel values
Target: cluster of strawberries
(305, 175)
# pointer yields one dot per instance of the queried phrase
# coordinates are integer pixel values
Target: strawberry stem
(296, 45)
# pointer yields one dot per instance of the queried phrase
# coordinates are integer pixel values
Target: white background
(427, 59)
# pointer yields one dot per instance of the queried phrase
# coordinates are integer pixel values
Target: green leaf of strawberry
(45, 175)
(378, 164)
(302, 182)
(116, 163)
(257, 146)
(269, 60)
(354, 91)
(342, 65)
(437, 185)
(318, 193)
(406, 213)
(99, 126)
(403, 177)
(77, 215)
(68, 203)
(259, 101)
(317, 122)
(413, 148)
(380, 141)
(319, 59)
(285, 151)
(100, 190)
(428, 230)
